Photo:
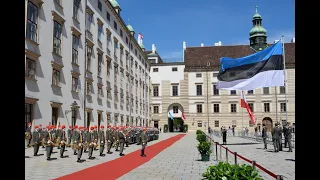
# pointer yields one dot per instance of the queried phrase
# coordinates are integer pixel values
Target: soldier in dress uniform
(144, 140)
(90, 142)
(95, 135)
(288, 136)
(79, 140)
(264, 135)
(75, 133)
(109, 139)
(122, 138)
(36, 140)
(28, 135)
(275, 137)
(44, 129)
(69, 132)
(126, 133)
(85, 143)
(138, 136)
(102, 140)
(116, 137)
(58, 135)
(63, 140)
(49, 138)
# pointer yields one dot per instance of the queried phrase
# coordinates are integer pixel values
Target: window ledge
(58, 55)
(89, 71)
(99, 77)
(31, 41)
(56, 86)
(75, 64)
(29, 78)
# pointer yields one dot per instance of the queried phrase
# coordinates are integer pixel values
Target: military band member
(69, 132)
(116, 137)
(75, 133)
(63, 140)
(126, 133)
(49, 139)
(58, 135)
(44, 129)
(90, 142)
(144, 140)
(102, 140)
(79, 141)
(122, 137)
(109, 139)
(28, 135)
(96, 136)
(36, 140)
(85, 137)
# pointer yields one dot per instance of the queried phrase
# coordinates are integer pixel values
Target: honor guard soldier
(275, 137)
(90, 142)
(138, 136)
(126, 133)
(288, 136)
(85, 143)
(102, 140)
(122, 138)
(28, 135)
(95, 135)
(69, 132)
(109, 139)
(144, 140)
(48, 138)
(63, 140)
(264, 135)
(79, 141)
(75, 133)
(36, 139)
(44, 130)
(116, 135)
(41, 129)
(58, 135)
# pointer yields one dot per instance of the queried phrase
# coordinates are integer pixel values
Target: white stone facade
(55, 50)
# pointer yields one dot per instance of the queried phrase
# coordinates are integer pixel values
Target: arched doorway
(175, 124)
(268, 122)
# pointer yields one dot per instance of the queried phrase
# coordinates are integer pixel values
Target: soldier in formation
(102, 140)
(276, 132)
(287, 131)
(144, 140)
(264, 135)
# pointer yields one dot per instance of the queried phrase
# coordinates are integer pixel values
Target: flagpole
(275, 88)
(242, 114)
(285, 78)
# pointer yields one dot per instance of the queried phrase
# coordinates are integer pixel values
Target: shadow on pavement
(242, 144)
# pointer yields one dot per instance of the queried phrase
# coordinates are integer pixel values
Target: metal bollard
(279, 177)
(227, 154)
(220, 152)
(217, 151)
(235, 157)
(254, 164)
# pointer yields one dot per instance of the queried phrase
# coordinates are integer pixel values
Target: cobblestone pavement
(38, 168)
(281, 163)
(179, 161)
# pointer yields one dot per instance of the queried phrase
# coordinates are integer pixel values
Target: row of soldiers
(276, 133)
(86, 140)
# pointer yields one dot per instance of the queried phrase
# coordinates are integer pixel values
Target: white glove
(109, 141)
(102, 142)
(80, 144)
(75, 141)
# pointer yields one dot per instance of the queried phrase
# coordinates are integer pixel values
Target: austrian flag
(244, 104)
(183, 117)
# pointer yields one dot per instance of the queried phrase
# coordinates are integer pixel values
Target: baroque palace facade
(189, 87)
(83, 65)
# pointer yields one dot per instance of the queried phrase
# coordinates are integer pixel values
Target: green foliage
(177, 122)
(165, 128)
(226, 171)
(204, 148)
(199, 132)
(201, 138)
(185, 128)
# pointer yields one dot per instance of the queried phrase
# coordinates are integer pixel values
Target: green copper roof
(141, 45)
(152, 55)
(256, 15)
(258, 30)
(114, 3)
(130, 28)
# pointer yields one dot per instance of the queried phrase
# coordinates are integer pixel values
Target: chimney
(153, 48)
(275, 41)
(202, 45)
(184, 45)
(293, 40)
(219, 43)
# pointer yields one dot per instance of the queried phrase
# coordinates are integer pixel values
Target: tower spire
(256, 8)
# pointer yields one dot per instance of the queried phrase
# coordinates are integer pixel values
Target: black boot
(78, 160)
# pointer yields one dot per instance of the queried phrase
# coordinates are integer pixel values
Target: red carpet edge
(116, 168)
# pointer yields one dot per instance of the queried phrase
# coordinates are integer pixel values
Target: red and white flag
(244, 104)
(183, 117)
(140, 36)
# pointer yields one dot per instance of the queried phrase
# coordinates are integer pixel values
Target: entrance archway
(175, 124)
(268, 122)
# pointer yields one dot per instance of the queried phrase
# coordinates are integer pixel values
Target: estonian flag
(262, 69)
(170, 115)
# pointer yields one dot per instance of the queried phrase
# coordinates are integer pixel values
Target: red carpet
(118, 167)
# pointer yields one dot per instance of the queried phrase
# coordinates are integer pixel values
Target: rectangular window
(89, 21)
(251, 106)
(266, 107)
(57, 38)
(250, 92)
(266, 90)
(99, 64)
(121, 33)
(282, 89)
(75, 47)
(32, 21)
(174, 69)
(99, 32)
(199, 108)
(233, 108)
(89, 54)
(99, 90)
(127, 40)
(27, 114)
(283, 107)
(233, 92)
(74, 84)
(115, 25)
(156, 91)
(175, 109)
(198, 75)
(199, 90)
(155, 70)
(155, 109)
(76, 5)
(99, 5)
(89, 90)
(174, 90)
(199, 123)
(216, 108)
(216, 123)
(54, 116)
(31, 69)
(215, 90)
(108, 16)
(55, 77)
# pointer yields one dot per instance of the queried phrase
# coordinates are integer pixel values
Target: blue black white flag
(262, 69)
(170, 115)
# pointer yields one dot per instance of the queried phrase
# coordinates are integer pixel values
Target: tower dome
(258, 34)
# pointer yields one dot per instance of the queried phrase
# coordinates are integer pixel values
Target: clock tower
(258, 34)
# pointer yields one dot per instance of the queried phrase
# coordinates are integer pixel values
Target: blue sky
(167, 23)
